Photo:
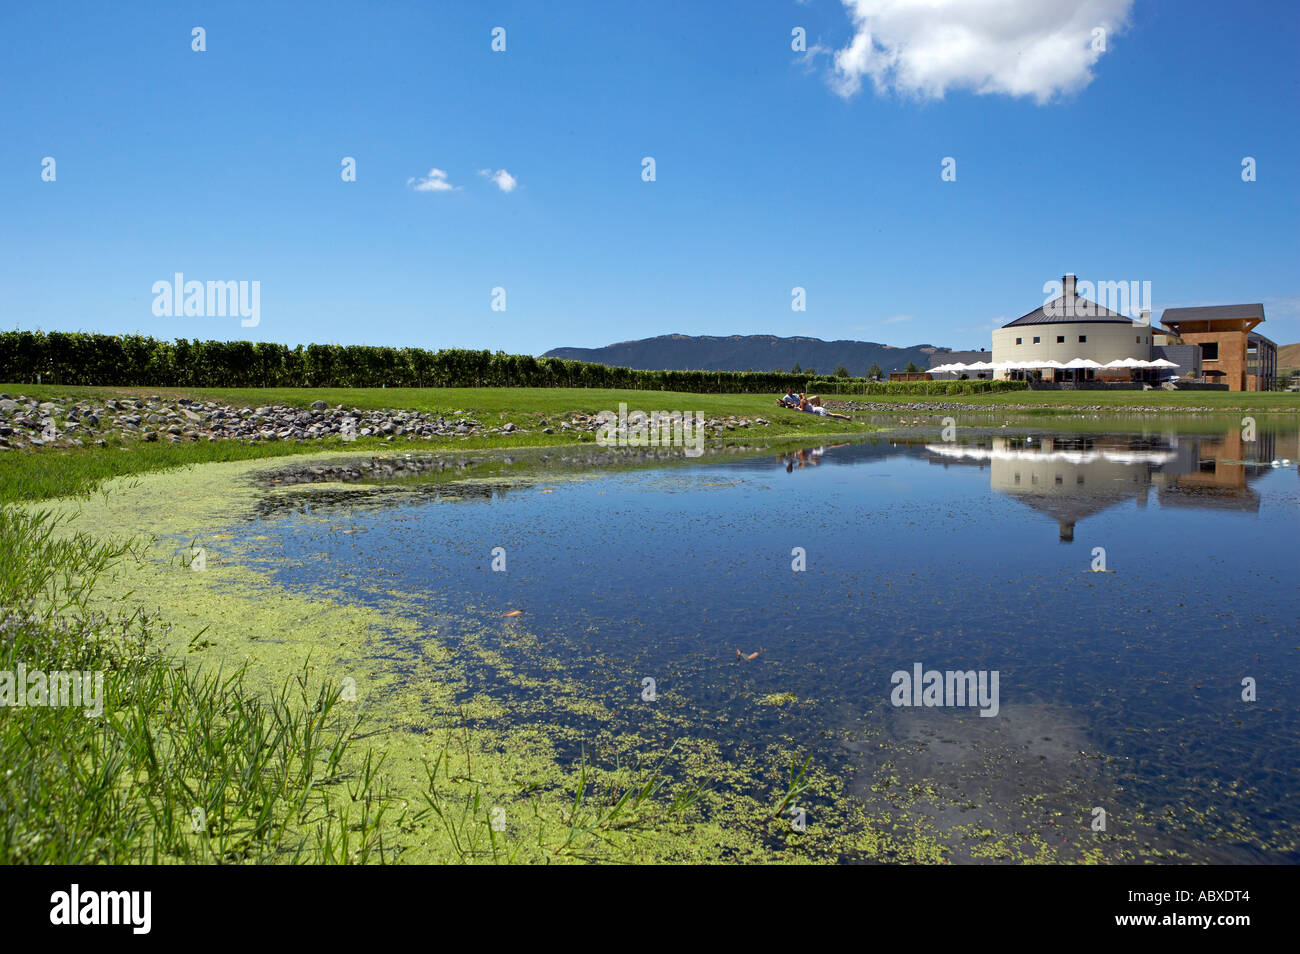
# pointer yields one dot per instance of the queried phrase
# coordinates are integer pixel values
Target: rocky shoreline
(28, 423)
(539, 459)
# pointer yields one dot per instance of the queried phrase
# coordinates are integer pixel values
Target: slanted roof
(1069, 309)
(1213, 313)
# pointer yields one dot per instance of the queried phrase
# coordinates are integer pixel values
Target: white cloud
(435, 181)
(896, 319)
(1038, 48)
(502, 179)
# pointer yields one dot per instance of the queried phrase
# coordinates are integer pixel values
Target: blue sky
(772, 171)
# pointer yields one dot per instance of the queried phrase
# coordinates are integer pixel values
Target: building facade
(1232, 352)
(1070, 327)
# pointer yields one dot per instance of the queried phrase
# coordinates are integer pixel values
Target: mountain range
(751, 353)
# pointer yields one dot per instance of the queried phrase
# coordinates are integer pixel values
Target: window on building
(1209, 351)
(1018, 340)
(1083, 339)
(1037, 339)
(1060, 339)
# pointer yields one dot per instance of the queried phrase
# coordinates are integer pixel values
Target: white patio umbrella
(1075, 364)
(1163, 363)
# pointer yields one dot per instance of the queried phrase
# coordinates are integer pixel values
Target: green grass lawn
(519, 404)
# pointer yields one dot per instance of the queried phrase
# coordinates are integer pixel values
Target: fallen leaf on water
(514, 613)
(740, 655)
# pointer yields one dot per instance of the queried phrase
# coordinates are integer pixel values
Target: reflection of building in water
(1071, 477)
(1211, 472)
(1068, 478)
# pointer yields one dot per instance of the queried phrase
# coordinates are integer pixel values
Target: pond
(1123, 600)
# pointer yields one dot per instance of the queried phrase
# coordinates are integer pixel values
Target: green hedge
(864, 387)
(76, 358)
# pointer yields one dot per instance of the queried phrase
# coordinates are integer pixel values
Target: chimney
(1067, 285)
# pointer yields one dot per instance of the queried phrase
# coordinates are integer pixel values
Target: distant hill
(1288, 356)
(750, 352)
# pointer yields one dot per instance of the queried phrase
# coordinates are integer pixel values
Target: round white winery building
(1069, 328)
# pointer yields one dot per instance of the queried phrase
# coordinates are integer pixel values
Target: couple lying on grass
(809, 405)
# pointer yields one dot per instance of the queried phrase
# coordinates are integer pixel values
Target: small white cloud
(501, 179)
(1038, 48)
(435, 181)
(896, 319)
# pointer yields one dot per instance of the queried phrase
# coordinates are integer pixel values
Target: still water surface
(1120, 689)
